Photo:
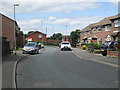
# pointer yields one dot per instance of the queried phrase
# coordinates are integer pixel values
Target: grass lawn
(19, 49)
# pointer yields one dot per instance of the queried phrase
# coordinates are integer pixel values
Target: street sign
(29, 39)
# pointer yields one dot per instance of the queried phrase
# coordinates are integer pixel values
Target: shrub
(84, 47)
(94, 45)
(48, 43)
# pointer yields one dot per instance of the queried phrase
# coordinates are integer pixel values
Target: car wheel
(23, 53)
(38, 52)
(104, 54)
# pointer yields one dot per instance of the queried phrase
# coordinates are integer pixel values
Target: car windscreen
(30, 44)
(106, 43)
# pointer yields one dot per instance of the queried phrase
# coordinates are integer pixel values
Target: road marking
(113, 65)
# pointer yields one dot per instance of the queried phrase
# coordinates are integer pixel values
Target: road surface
(53, 68)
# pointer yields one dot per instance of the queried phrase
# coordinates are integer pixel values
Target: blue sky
(57, 15)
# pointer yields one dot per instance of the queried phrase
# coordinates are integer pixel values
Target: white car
(65, 46)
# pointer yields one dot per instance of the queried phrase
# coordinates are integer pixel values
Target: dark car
(109, 45)
(31, 47)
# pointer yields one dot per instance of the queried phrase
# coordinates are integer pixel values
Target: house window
(108, 38)
(107, 28)
(99, 40)
(117, 23)
(94, 30)
(91, 32)
(88, 32)
(99, 29)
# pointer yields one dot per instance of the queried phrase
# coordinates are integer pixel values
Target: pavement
(8, 69)
(111, 61)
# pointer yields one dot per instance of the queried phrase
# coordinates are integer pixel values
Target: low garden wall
(113, 53)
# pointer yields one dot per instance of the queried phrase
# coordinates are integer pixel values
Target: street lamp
(15, 29)
(42, 29)
(66, 29)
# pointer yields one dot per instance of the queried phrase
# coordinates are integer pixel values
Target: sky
(58, 16)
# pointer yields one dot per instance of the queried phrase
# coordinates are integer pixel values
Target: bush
(84, 47)
(94, 45)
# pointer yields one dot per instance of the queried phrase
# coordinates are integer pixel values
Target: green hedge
(48, 43)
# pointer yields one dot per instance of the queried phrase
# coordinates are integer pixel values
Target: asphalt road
(53, 68)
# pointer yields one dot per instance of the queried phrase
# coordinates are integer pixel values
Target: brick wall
(5, 47)
(56, 41)
(99, 35)
(8, 30)
(20, 40)
(114, 53)
(35, 36)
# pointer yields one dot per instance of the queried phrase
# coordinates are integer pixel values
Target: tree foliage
(75, 35)
(56, 36)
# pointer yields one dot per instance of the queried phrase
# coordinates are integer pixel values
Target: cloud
(55, 24)
(32, 7)
(51, 18)
(61, 1)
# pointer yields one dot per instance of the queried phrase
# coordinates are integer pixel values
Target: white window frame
(94, 30)
(106, 28)
(99, 29)
(117, 23)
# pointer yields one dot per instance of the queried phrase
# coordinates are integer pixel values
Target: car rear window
(65, 43)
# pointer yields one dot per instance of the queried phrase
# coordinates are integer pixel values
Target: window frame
(99, 29)
(106, 28)
(117, 23)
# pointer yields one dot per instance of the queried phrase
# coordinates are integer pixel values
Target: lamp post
(15, 29)
(42, 29)
(46, 30)
(66, 30)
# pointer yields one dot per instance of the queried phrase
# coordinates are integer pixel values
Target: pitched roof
(105, 21)
(36, 32)
(89, 27)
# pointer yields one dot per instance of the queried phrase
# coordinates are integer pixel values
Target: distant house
(7, 26)
(106, 29)
(37, 36)
(66, 38)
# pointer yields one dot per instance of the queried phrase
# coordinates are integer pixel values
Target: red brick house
(66, 38)
(105, 30)
(7, 26)
(37, 36)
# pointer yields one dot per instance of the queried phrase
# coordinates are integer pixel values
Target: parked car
(41, 44)
(31, 47)
(109, 45)
(65, 46)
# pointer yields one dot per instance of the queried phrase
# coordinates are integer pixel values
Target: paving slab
(90, 56)
(8, 67)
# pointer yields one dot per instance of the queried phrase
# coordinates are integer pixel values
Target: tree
(30, 32)
(56, 36)
(75, 35)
